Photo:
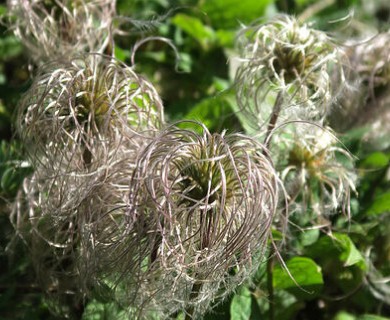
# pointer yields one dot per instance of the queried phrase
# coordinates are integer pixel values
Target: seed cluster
(201, 206)
(62, 28)
(123, 207)
(287, 57)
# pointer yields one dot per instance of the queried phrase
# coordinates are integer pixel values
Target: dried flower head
(291, 59)
(83, 123)
(61, 28)
(200, 210)
(74, 108)
(318, 174)
(370, 64)
(67, 220)
(372, 60)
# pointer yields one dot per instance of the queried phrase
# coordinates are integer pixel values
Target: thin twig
(274, 118)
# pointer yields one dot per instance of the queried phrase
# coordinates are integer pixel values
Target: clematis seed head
(200, 211)
(289, 58)
(74, 108)
(61, 28)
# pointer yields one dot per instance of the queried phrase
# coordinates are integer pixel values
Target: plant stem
(270, 286)
(274, 117)
(270, 263)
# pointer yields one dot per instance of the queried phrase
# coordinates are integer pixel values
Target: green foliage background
(332, 273)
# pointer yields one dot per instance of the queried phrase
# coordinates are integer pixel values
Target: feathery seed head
(89, 101)
(61, 28)
(372, 60)
(370, 65)
(318, 174)
(288, 57)
(69, 220)
(201, 207)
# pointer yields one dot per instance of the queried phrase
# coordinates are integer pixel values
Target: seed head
(54, 29)
(200, 210)
(83, 123)
(372, 60)
(74, 108)
(67, 220)
(288, 57)
(318, 175)
(370, 64)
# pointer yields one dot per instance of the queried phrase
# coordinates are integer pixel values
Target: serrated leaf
(241, 305)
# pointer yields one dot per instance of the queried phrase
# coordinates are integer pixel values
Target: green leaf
(226, 14)
(380, 205)
(376, 160)
(350, 255)
(225, 38)
(277, 235)
(302, 3)
(3, 111)
(241, 305)
(308, 237)
(286, 304)
(12, 169)
(121, 54)
(96, 310)
(354, 135)
(306, 273)
(340, 246)
(3, 10)
(9, 47)
(195, 28)
(344, 316)
(185, 62)
(211, 111)
(371, 317)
